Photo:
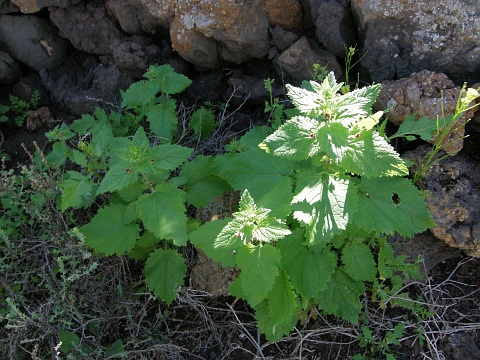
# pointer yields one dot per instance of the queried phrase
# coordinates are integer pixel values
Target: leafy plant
(322, 192)
(21, 107)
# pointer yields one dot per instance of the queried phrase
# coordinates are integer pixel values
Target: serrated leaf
(355, 105)
(359, 262)
(59, 154)
(273, 331)
(202, 122)
(295, 139)
(309, 269)
(254, 170)
(138, 94)
(163, 213)
(84, 124)
(100, 139)
(332, 139)
(411, 126)
(278, 199)
(371, 155)
(107, 234)
(282, 300)
(167, 156)
(392, 204)
(251, 139)
(117, 178)
(77, 191)
(203, 238)
(167, 79)
(341, 297)
(307, 101)
(163, 119)
(324, 204)
(259, 269)
(164, 273)
(202, 183)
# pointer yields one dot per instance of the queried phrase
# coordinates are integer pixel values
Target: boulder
(134, 17)
(297, 61)
(163, 11)
(453, 196)
(6, 7)
(208, 33)
(33, 6)
(32, 41)
(135, 54)
(425, 93)
(9, 68)
(87, 26)
(406, 36)
(282, 38)
(285, 13)
(334, 26)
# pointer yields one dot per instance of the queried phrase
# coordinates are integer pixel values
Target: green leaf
(116, 349)
(138, 95)
(203, 184)
(164, 273)
(202, 122)
(163, 119)
(77, 191)
(309, 269)
(100, 139)
(282, 300)
(254, 170)
(274, 330)
(83, 125)
(278, 199)
(107, 234)
(410, 127)
(59, 154)
(359, 262)
(167, 157)
(341, 297)
(259, 269)
(167, 79)
(117, 178)
(391, 204)
(163, 213)
(332, 139)
(371, 155)
(69, 341)
(324, 204)
(295, 139)
(203, 238)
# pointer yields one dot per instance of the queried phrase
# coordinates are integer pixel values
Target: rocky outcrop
(427, 94)
(454, 195)
(9, 68)
(406, 36)
(32, 6)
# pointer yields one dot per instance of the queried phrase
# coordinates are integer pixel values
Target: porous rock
(32, 41)
(406, 36)
(208, 33)
(134, 17)
(297, 61)
(425, 93)
(285, 13)
(282, 38)
(9, 68)
(33, 6)
(453, 196)
(87, 26)
(334, 26)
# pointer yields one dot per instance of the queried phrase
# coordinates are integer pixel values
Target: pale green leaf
(163, 213)
(164, 273)
(77, 191)
(332, 139)
(359, 262)
(324, 204)
(259, 269)
(371, 155)
(107, 234)
(392, 204)
(309, 269)
(163, 119)
(423, 127)
(278, 199)
(342, 296)
(282, 300)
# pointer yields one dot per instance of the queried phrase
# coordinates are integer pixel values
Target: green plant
(319, 195)
(437, 130)
(322, 192)
(349, 55)
(20, 108)
(374, 345)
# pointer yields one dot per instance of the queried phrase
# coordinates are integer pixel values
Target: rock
(81, 83)
(297, 61)
(253, 88)
(207, 33)
(407, 36)
(334, 26)
(135, 54)
(33, 6)
(6, 7)
(282, 38)
(9, 68)
(32, 41)
(37, 119)
(134, 17)
(424, 93)
(208, 86)
(454, 194)
(285, 13)
(26, 86)
(163, 11)
(87, 26)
